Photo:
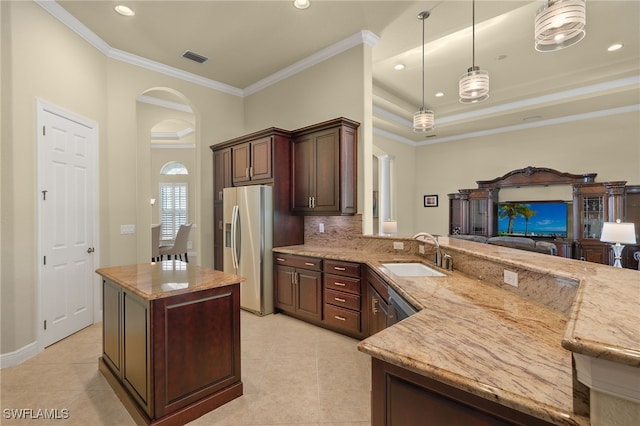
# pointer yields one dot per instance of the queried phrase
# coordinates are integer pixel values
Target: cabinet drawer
(342, 268)
(303, 262)
(336, 282)
(343, 318)
(345, 300)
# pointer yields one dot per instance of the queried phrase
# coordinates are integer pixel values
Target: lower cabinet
(380, 316)
(594, 252)
(172, 358)
(343, 297)
(298, 286)
(402, 397)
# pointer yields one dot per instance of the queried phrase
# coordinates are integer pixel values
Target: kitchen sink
(413, 269)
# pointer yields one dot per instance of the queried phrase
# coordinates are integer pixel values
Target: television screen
(533, 219)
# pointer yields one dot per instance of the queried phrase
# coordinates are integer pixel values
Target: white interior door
(68, 202)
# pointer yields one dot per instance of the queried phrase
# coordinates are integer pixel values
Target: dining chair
(155, 242)
(179, 247)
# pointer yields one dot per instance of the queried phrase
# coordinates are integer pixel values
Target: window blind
(173, 208)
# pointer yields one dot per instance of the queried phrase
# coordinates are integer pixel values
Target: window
(174, 168)
(173, 208)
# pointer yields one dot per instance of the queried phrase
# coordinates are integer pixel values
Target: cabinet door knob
(374, 302)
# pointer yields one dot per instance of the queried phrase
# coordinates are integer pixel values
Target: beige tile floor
(293, 374)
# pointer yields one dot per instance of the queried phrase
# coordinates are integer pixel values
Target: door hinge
(44, 195)
(44, 131)
(45, 324)
(45, 260)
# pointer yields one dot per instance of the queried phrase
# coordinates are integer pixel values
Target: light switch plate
(398, 245)
(321, 228)
(127, 229)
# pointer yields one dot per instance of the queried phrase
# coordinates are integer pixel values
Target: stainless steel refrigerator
(248, 240)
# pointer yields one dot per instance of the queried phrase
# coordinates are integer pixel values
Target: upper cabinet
(221, 172)
(324, 168)
(252, 161)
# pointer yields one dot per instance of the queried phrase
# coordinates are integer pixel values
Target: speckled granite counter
(171, 277)
(496, 344)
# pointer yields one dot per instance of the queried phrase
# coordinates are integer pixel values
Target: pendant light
(559, 24)
(423, 119)
(474, 85)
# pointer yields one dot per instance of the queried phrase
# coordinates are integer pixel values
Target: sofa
(521, 243)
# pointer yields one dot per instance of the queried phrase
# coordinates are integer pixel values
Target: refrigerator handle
(234, 230)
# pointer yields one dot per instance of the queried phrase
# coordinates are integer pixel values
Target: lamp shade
(423, 120)
(618, 232)
(389, 226)
(559, 24)
(474, 86)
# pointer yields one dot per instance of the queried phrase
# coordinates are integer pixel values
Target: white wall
(608, 146)
(42, 58)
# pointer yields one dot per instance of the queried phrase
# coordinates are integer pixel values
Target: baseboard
(18, 357)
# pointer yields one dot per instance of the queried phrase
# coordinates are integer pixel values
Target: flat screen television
(533, 218)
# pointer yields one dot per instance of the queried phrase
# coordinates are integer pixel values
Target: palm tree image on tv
(541, 219)
(510, 211)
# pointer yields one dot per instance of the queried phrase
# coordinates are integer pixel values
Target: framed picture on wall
(431, 201)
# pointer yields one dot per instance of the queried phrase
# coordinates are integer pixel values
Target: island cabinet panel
(184, 370)
(136, 373)
(173, 358)
(112, 312)
(402, 397)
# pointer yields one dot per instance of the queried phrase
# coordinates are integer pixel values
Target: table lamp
(618, 234)
(389, 227)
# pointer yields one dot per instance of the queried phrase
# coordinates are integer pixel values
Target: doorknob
(90, 250)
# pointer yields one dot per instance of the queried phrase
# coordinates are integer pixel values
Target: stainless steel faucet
(442, 259)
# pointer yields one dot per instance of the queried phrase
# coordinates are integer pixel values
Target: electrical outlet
(398, 245)
(127, 229)
(511, 278)
(321, 228)
(421, 249)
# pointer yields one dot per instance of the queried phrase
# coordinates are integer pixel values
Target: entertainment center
(574, 225)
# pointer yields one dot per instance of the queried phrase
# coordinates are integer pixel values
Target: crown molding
(362, 37)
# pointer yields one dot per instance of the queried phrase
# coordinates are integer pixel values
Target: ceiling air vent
(194, 56)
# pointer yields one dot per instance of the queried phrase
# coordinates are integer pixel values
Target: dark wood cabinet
(324, 168)
(218, 236)
(172, 358)
(221, 172)
(474, 211)
(265, 158)
(343, 297)
(252, 161)
(378, 309)
(402, 397)
(298, 286)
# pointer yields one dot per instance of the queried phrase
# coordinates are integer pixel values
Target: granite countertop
(157, 280)
(474, 336)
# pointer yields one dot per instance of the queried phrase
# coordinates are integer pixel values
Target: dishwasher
(399, 308)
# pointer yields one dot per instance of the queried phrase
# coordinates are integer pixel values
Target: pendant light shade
(560, 24)
(423, 120)
(474, 85)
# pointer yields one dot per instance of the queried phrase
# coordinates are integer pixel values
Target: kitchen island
(171, 339)
(488, 346)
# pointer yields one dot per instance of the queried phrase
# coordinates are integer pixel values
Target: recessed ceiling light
(124, 10)
(439, 94)
(399, 67)
(614, 47)
(301, 4)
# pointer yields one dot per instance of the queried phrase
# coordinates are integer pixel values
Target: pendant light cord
(473, 35)
(423, 18)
